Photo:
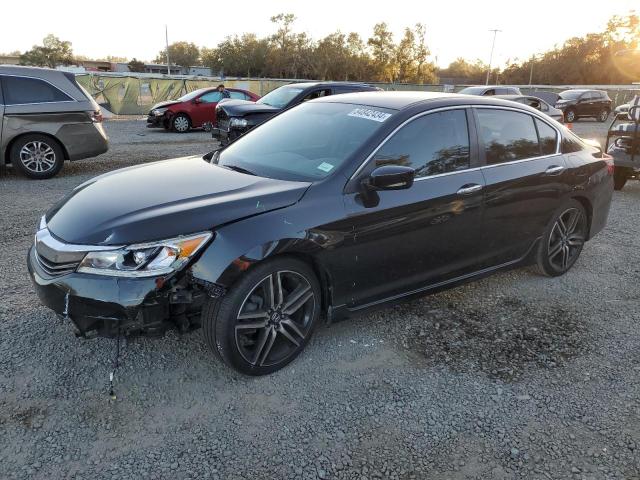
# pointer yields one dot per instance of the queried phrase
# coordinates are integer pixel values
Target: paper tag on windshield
(325, 167)
(369, 114)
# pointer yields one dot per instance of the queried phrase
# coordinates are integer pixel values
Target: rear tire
(563, 240)
(266, 319)
(181, 123)
(37, 156)
(620, 177)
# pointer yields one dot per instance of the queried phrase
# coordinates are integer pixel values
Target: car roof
(405, 99)
(328, 84)
(29, 71)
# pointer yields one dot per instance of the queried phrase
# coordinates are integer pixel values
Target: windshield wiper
(236, 168)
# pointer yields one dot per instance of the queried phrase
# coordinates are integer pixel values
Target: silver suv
(46, 117)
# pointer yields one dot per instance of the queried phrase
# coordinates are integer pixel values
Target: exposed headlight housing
(145, 259)
(238, 122)
(157, 112)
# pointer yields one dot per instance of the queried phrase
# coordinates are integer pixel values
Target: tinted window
(548, 138)
(317, 94)
(433, 144)
(239, 95)
(211, 97)
(307, 142)
(21, 90)
(507, 135)
(280, 97)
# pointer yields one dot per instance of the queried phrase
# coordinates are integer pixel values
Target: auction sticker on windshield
(369, 114)
(325, 167)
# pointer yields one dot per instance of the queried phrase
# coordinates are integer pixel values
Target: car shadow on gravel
(504, 339)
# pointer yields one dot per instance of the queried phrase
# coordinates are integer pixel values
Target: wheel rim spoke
(573, 221)
(288, 336)
(268, 345)
(251, 325)
(576, 240)
(253, 315)
(291, 324)
(553, 252)
(297, 300)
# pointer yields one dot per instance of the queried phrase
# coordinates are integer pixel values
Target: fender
(238, 246)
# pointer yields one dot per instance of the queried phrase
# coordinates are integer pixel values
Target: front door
(1, 115)
(204, 108)
(525, 180)
(407, 239)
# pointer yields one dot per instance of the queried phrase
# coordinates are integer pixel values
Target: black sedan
(332, 208)
(236, 117)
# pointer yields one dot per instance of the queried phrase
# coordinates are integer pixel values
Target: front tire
(266, 319)
(603, 115)
(37, 156)
(563, 240)
(570, 116)
(181, 123)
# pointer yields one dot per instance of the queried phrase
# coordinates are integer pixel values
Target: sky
(459, 28)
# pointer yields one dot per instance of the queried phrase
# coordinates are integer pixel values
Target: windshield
(571, 94)
(191, 95)
(472, 90)
(280, 97)
(306, 143)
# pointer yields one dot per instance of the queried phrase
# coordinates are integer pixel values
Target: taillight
(608, 159)
(96, 116)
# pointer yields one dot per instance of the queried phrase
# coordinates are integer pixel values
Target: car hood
(163, 200)
(165, 104)
(240, 108)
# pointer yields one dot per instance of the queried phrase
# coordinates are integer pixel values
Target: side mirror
(212, 156)
(197, 100)
(391, 177)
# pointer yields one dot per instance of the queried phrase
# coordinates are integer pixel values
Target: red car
(192, 110)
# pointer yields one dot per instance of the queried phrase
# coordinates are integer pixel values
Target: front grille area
(56, 269)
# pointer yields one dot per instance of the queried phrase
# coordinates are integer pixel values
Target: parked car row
(333, 207)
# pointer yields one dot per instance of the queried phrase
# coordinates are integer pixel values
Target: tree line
(608, 57)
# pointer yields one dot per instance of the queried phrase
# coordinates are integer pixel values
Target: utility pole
(493, 44)
(533, 58)
(166, 39)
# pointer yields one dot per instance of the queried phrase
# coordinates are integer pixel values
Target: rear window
(24, 90)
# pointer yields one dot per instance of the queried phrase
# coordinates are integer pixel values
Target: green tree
(184, 54)
(136, 65)
(383, 48)
(51, 53)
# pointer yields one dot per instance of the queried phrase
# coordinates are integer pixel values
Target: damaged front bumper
(108, 306)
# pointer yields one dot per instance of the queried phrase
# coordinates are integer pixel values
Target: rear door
(525, 178)
(407, 239)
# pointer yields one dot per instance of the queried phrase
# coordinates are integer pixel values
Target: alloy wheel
(181, 124)
(566, 239)
(37, 157)
(275, 318)
(571, 116)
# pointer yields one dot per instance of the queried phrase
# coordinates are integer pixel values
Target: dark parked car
(334, 207)
(192, 110)
(237, 117)
(579, 103)
(536, 103)
(489, 90)
(46, 117)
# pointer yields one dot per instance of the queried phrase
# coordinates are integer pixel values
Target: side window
(543, 106)
(491, 91)
(433, 144)
(548, 138)
(317, 94)
(1, 99)
(507, 135)
(22, 90)
(211, 97)
(238, 95)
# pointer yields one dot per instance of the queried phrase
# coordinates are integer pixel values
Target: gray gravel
(515, 376)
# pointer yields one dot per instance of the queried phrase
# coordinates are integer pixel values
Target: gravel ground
(515, 376)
